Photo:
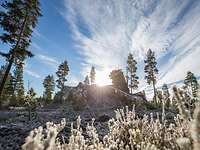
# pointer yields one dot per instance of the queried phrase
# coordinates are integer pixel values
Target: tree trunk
(131, 90)
(6, 74)
(154, 90)
(163, 110)
(62, 95)
(29, 113)
(13, 55)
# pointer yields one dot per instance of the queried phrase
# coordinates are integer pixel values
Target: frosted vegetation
(18, 19)
(126, 131)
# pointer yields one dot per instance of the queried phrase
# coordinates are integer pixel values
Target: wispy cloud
(32, 73)
(36, 46)
(106, 31)
(38, 35)
(50, 61)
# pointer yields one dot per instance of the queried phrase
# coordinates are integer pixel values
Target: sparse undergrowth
(126, 131)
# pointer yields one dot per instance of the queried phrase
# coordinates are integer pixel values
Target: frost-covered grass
(126, 131)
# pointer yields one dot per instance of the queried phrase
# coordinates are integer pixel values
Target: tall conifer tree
(63, 70)
(151, 70)
(131, 68)
(18, 82)
(166, 95)
(191, 83)
(86, 81)
(49, 87)
(18, 18)
(8, 91)
(92, 75)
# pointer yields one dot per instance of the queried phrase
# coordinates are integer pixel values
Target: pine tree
(159, 101)
(118, 80)
(30, 101)
(63, 70)
(31, 94)
(17, 19)
(18, 83)
(8, 91)
(49, 86)
(92, 75)
(166, 95)
(127, 75)
(191, 83)
(86, 81)
(131, 68)
(151, 70)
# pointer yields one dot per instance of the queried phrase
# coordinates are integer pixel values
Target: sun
(102, 78)
(100, 83)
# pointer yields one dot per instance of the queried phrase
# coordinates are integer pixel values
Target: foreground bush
(126, 131)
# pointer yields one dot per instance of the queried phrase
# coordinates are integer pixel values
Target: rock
(12, 138)
(170, 116)
(103, 118)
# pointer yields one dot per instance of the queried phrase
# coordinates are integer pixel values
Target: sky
(101, 33)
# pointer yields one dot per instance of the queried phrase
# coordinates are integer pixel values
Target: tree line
(18, 18)
(130, 82)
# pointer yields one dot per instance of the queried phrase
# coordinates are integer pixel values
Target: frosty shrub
(40, 139)
(126, 131)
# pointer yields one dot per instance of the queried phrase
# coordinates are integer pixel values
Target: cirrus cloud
(106, 31)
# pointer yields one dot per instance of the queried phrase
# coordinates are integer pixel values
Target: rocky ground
(95, 102)
(15, 126)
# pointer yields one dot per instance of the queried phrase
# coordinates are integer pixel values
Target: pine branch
(5, 55)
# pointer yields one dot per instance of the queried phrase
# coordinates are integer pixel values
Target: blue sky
(103, 32)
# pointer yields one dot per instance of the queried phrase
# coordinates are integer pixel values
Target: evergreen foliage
(92, 75)
(86, 81)
(118, 80)
(18, 83)
(30, 97)
(49, 86)
(151, 70)
(18, 18)
(159, 98)
(63, 71)
(166, 95)
(131, 68)
(8, 91)
(191, 83)
(30, 101)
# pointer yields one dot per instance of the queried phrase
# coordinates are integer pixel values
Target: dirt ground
(15, 126)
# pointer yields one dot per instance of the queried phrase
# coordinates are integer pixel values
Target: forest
(118, 116)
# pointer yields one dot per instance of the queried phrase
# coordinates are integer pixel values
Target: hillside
(98, 102)
(96, 98)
